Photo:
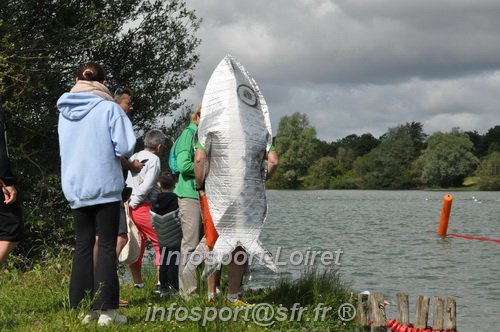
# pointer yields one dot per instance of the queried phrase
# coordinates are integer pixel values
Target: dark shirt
(5, 169)
(165, 203)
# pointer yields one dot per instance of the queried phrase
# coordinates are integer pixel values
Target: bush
(489, 172)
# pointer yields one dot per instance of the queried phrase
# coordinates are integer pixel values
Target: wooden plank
(438, 313)
(422, 312)
(450, 320)
(379, 323)
(363, 310)
(403, 308)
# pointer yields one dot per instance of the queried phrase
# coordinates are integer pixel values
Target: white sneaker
(109, 317)
(92, 314)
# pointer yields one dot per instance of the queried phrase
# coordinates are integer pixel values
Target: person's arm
(272, 163)
(122, 133)
(10, 194)
(185, 163)
(184, 153)
(199, 169)
(134, 166)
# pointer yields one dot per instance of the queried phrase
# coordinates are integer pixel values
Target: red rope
(396, 326)
(475, 238)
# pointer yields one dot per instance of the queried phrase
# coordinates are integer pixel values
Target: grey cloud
(358, 66)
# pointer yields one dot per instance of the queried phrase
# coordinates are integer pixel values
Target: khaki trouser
(192, 232)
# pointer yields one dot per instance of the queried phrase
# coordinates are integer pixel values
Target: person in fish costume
(231, 167)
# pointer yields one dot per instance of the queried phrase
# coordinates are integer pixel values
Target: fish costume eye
(247, 95)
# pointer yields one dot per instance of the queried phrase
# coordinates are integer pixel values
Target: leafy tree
(487, 143)
(448, 159)
(413, 174)
(360, 145)
(401, 144)
(364, 171)
(389, 164)
(489, 172)
(345, 160)
(348, 150)
(418, 137)
(492, 140)
(323, 172)
(396, 148)
(296, 146)
(147, 46)
(399, 147)
(477, 140)
(325, 149)
(347, 180)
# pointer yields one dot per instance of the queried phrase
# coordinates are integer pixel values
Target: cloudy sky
(361, 66)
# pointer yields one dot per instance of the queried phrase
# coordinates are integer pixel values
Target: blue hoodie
(93, 134)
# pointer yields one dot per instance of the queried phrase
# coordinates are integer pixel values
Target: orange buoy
(445, 215)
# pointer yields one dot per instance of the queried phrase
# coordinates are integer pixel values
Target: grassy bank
(37, 300)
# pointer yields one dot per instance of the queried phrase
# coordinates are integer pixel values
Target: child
(144, 187)
(165, 217)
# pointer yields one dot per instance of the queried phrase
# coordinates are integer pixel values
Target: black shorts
(11, 221)
(122, 227)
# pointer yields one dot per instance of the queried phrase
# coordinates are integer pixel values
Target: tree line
(405, 157)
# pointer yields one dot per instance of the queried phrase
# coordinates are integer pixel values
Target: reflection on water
(390, 245)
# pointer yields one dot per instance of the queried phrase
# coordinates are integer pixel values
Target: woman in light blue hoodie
(94, 133)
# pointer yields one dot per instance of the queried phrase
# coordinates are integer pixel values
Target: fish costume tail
(221, 254)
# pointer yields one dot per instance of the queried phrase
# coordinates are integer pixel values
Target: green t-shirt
(184, 152)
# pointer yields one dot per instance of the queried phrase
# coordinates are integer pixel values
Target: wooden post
(363, 310)
(379, 323)
(369, 310)
(422, 312)
(403, 309)
(438, 321)
(450, 320)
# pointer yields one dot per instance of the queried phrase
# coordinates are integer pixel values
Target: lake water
(390, 245)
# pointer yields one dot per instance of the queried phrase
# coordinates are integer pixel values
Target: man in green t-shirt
(189, 206)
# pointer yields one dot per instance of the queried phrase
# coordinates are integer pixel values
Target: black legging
(105, 282)
(169, 268)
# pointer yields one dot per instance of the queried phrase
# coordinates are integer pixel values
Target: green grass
(37, 300)
(472, 183)
(469, 184)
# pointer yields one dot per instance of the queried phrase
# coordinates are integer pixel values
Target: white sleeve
(144, 182)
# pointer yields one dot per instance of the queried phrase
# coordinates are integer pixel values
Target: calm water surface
(390, 245)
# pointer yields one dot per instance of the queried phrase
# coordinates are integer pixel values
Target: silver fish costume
(235, 132)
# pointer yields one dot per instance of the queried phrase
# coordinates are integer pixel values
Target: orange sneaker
(123, 303)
